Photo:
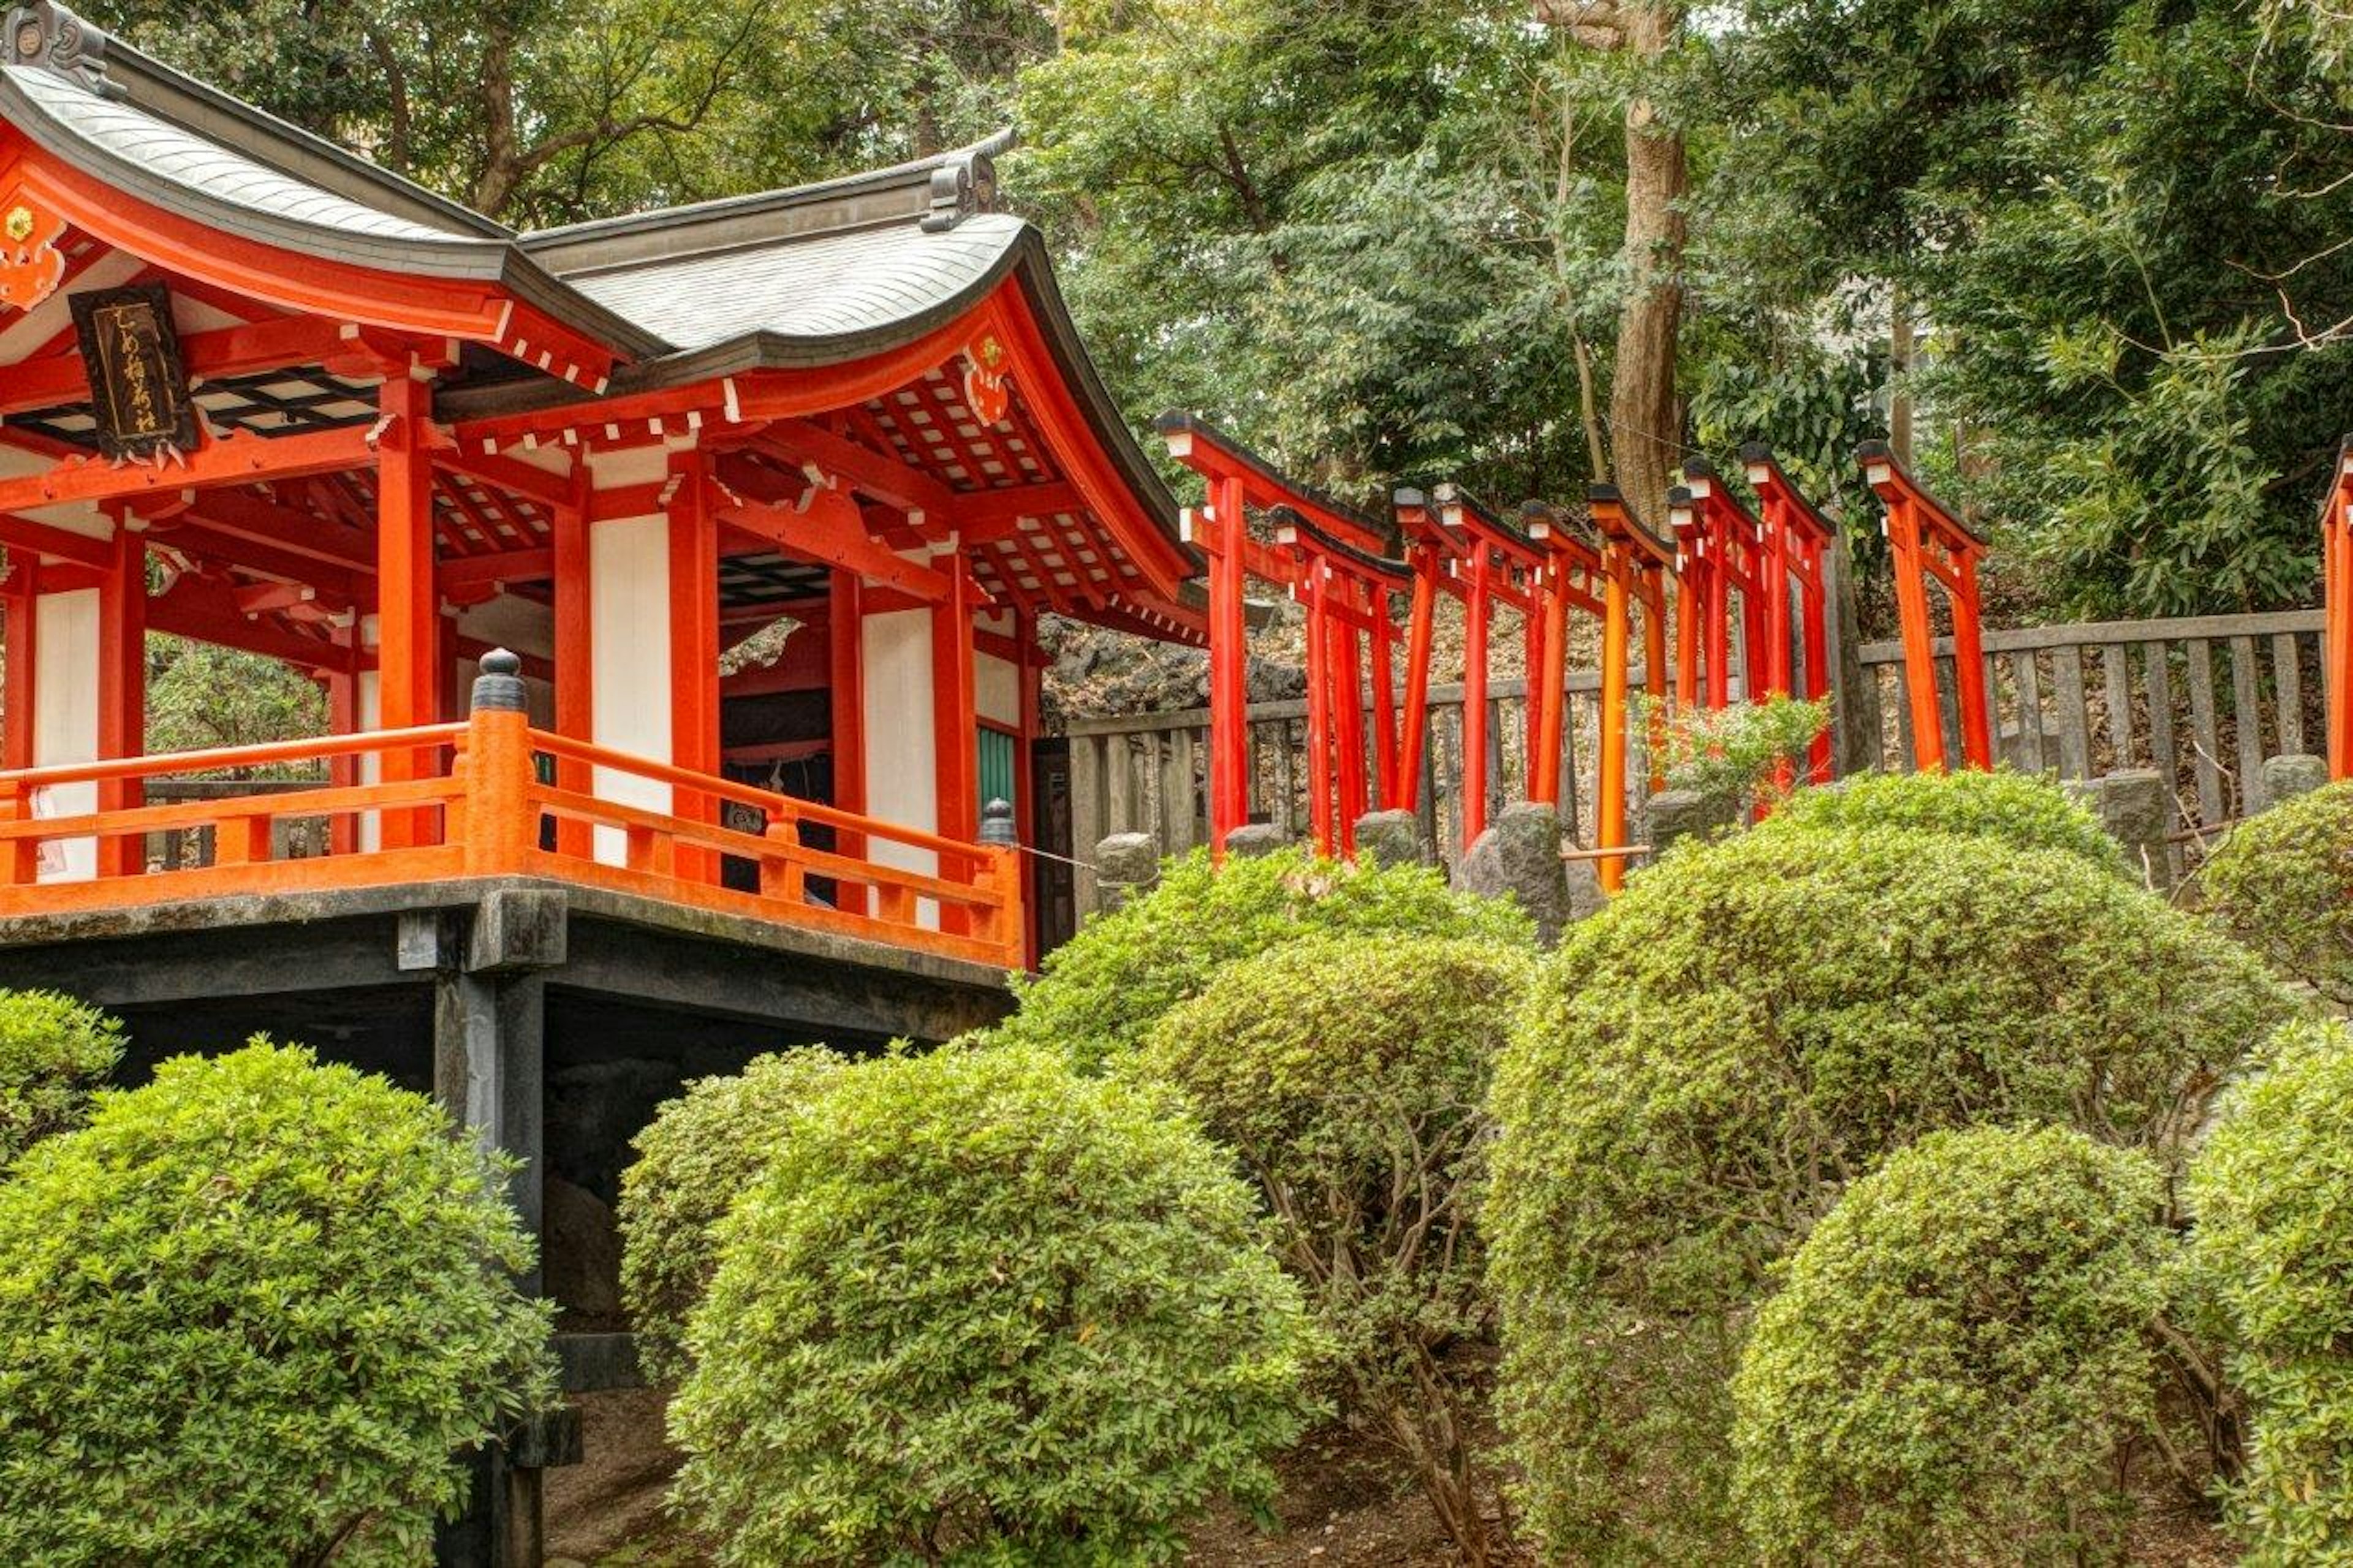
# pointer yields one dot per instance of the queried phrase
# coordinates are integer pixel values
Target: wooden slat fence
(2204, 700)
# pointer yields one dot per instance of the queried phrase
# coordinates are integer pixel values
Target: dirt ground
(1342, 1504)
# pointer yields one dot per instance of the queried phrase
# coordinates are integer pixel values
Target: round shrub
(2283, 882)
(1754, 1023)
(247, 1315)
(2023, 812)
(1099, 991)
(1957, 1350)
(53, 1051)
(982, 1309)
(694, 1159)
(1349, 1077)
(2272, 1194)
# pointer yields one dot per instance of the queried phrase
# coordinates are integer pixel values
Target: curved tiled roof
(814, 276)
(837, 287)
(167, 156)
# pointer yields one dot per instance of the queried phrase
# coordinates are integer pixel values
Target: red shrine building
(258, 392)
(516, 502)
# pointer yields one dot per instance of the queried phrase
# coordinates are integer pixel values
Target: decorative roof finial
(963, 184)
(46, 36)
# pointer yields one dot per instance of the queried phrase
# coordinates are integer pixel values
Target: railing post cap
(499, 688)
(996, 823)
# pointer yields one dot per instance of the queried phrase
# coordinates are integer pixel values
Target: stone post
(1519, 857)
(2136, 809)
(2286, 777)
(1390, 837)
(1675, 814)
(1253, 839)
(1127, 866)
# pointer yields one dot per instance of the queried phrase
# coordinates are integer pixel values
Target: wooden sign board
(139, 392)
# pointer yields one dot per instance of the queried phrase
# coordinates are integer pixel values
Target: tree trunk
(1644, 414)
(1899, 372)
(501, 145)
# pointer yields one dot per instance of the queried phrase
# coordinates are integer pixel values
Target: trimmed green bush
(2283, 882)
(1349, 1075)
(980, 1310)
(2010, 807)
(1754, 1023)
(2272, 1194)
(1101, 990)
(1957, 1353)
(54, 1051)
(249, 1315)
(694, 1159)
(1735, 753)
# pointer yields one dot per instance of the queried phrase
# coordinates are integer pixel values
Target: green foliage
(247, 1315)
(1101, 990)
(53, 1051)
(1752, 1025)
(697, 1155)
(1955, 1354)
(2283, 882)
(1733, 753)
(2272, 1194)
(200, 696)
(2007, 808)
(1349, 1077)
(980, 1310)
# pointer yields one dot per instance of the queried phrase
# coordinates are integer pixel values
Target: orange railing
(481, 810)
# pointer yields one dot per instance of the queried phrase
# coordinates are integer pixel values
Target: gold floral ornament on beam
(31, 266)
(986, 392)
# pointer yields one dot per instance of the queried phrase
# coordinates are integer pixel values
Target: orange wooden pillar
(694, 536)
(1798, 541)
(408, 660)
(1568, 581)
(1477, 616)
(1928, 544)
(1219, 530)
(576, 668)
(1413, 721)
(845, 634)
(1634, 564)
(18, 601)
(2337, 601)
(955, 723)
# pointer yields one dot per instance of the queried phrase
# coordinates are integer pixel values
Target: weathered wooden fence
(2203, 702)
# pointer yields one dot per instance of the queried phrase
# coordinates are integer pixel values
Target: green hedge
(1349, 1076)
(1954, 1356)
(697, 1156)
(2272, 1194)
(1101, 990)
(249, 1315)
(54, 1051)
(1754, 1023)
(2010, 807)
(2283, 882)
(982, 1309)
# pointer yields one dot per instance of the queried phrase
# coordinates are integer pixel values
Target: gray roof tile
(139, 138)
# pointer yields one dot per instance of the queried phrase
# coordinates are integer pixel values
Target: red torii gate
(1720, 549)
(1634, 566)
(1335, 564)
(1775, 562)
(1928, 543)
(2337, 599)
(1347, 592)
(1452, 541)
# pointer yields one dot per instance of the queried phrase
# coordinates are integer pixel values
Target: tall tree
(1645, 413)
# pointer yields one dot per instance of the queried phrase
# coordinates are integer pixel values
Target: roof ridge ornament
(964, 183)
(47, 36)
